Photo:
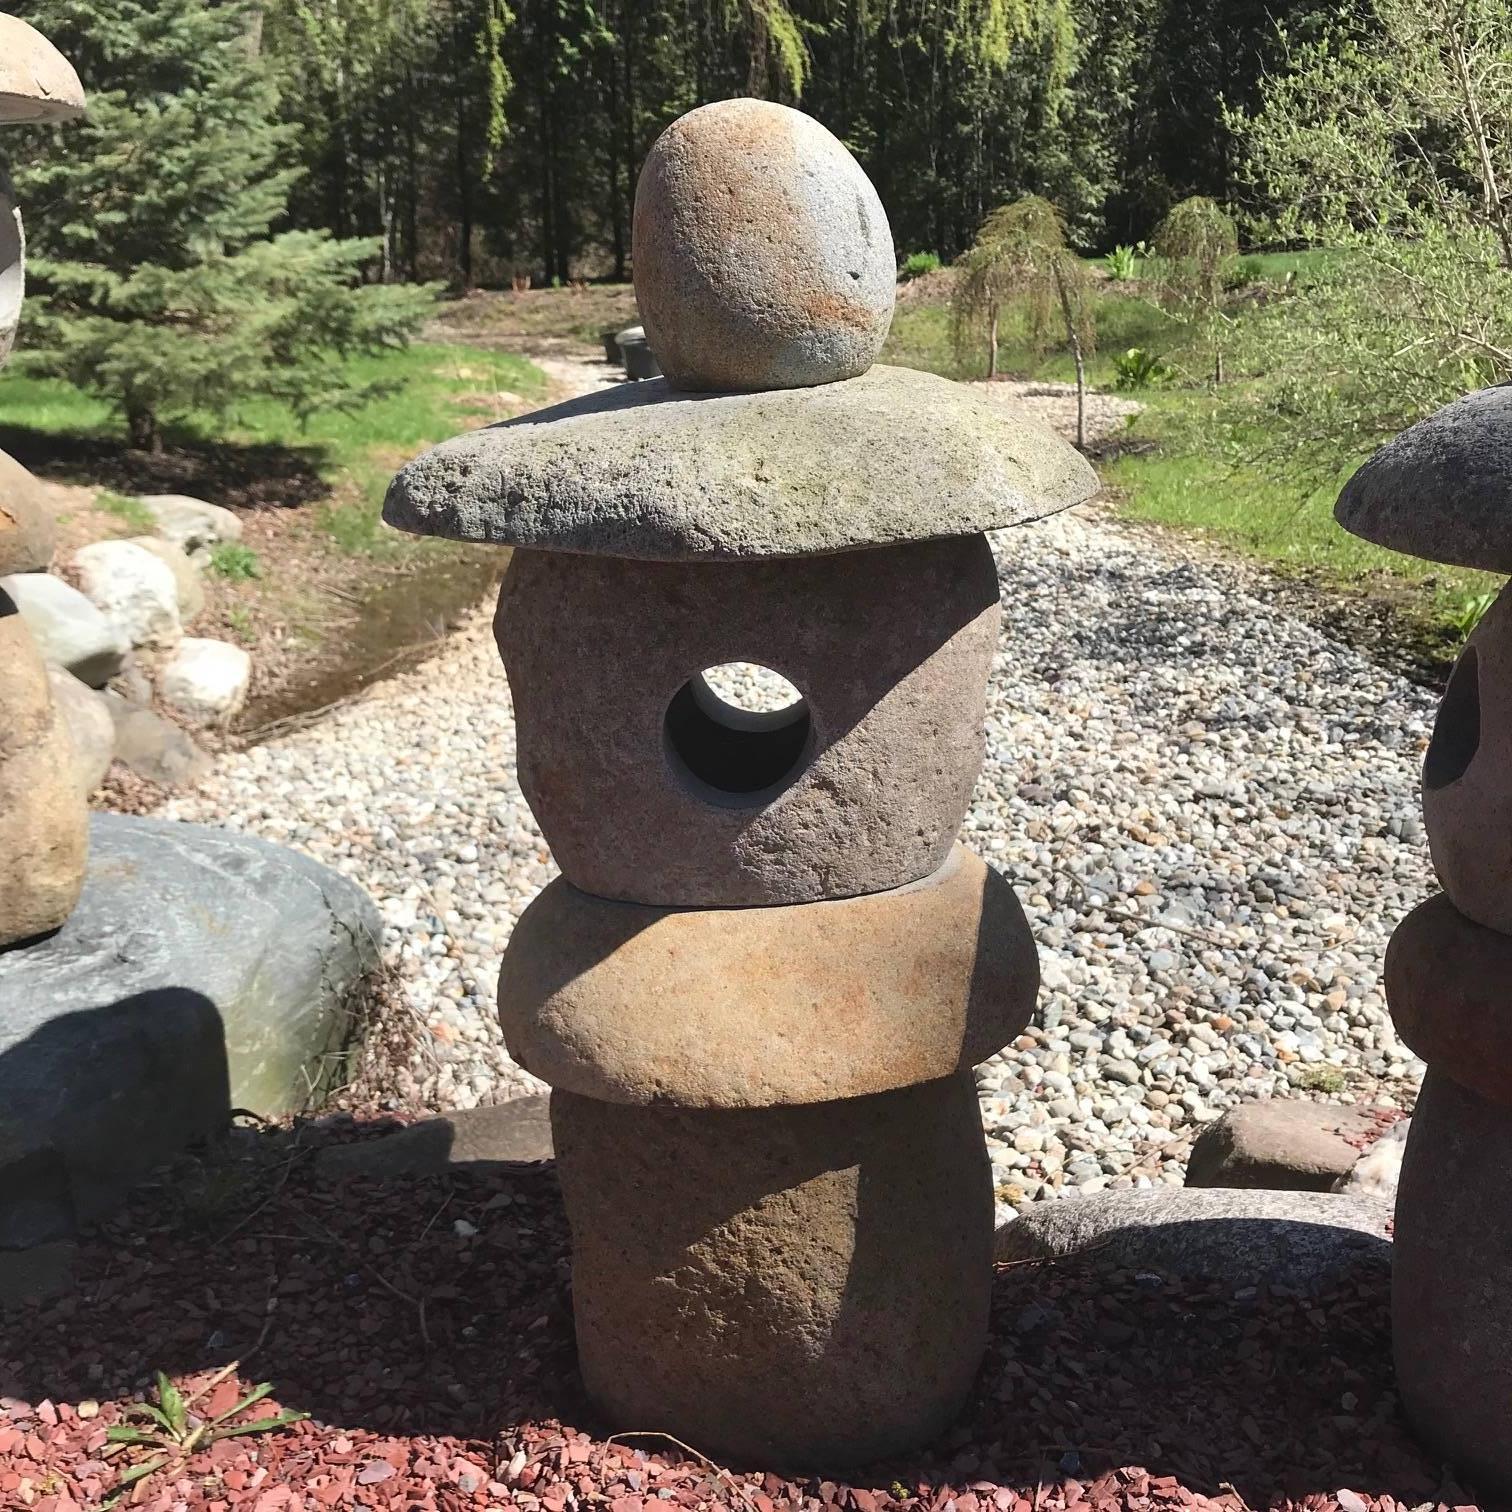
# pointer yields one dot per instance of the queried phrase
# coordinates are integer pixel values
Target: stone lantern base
(800, 1286)
(1449, 983)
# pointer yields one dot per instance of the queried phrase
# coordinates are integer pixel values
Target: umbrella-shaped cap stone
(645, 471)
(1442, 490)
(37, 83)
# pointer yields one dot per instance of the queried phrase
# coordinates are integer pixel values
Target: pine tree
(156, 279)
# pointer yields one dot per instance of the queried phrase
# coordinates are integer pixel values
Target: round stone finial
(763, 257)
(37, 83)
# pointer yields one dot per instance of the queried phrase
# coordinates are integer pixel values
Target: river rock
(1283, 1144)
(186, 574)
(191, 523)
(69, 631)
(752, 1007)
(201, 971)
(133, 589)
(643, 470)
(207, 680)
(154, 748)
(37, 83)
(1378, 1172)
(1443, 488)
(1299, 1240)
(91, 730)
(27, 530)
(42, 819)
(763, 257)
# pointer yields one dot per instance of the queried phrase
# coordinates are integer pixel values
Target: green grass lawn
(425, 393)
(1172, 482)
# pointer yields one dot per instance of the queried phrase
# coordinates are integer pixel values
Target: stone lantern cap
(648, 471)
(765, 274)
(37, 83)
(1442, 490)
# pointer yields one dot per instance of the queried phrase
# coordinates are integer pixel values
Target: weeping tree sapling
(1196, 246)
(1021, 254)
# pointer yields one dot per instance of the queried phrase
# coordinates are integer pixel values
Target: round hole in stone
(1457, 731)
(738, 729)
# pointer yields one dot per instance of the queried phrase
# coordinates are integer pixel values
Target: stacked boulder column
(760, 984)
(43, 836)
(1443, 490)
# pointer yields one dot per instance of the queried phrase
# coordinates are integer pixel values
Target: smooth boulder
(206, 680)
(1299, 1240)
(200, 971)
(69, 631)
(134, 589)
(763, 257)
(153, 748)
(186, 573)
(190, 523)
(91, 729)
(27, 529)
(1283, 1145)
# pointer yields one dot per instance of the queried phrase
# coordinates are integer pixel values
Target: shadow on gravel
(239, 476)
(368, 1304)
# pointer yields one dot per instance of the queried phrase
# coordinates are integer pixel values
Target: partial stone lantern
(761, 982)
(1443, 490)
(43, 834)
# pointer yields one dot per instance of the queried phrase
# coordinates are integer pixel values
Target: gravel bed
(425, 1326)
(1210, 810)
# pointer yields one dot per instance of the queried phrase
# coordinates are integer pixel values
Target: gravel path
(1209, 809)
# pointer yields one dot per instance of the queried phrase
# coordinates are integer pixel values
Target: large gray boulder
(69, 631)
(201, 971)
(1299, 1240)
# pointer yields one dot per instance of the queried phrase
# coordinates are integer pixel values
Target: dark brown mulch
(426, 1326)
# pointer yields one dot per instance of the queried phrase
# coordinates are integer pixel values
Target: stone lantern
(1443, 490)
(761, 982)
(43, 834)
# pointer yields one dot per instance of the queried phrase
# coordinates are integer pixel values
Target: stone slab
(1299, 1240)
(785, 1287)
(473, 1139)
(754, 1007)
(1441, 490)
(1282, 1145)
(1449, 988)
(643, 470)
(201, 970)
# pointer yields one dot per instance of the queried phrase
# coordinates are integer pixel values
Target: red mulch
(425, 1324)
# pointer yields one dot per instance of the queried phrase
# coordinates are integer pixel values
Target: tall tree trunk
(411, 185)
(992, 342)
(464, 180)
(142, 431)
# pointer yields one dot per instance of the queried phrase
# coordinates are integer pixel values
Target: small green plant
(1466, 612)
(235, 562)
(1138, 368)
(173, 1432)
(917, 264)
(1247, 271)
(1122, 262)
(135, 513)
(1320, 1079)
(239, 617)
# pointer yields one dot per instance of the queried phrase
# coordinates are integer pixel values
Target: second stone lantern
(760, 985)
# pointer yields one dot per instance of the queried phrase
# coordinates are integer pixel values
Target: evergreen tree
(157, 281)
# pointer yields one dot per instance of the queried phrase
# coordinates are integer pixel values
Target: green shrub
(1247, 271)
(917, 264)
(1467, 612)
(235, 562)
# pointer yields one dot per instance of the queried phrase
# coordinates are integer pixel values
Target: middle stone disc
(754, 1007)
